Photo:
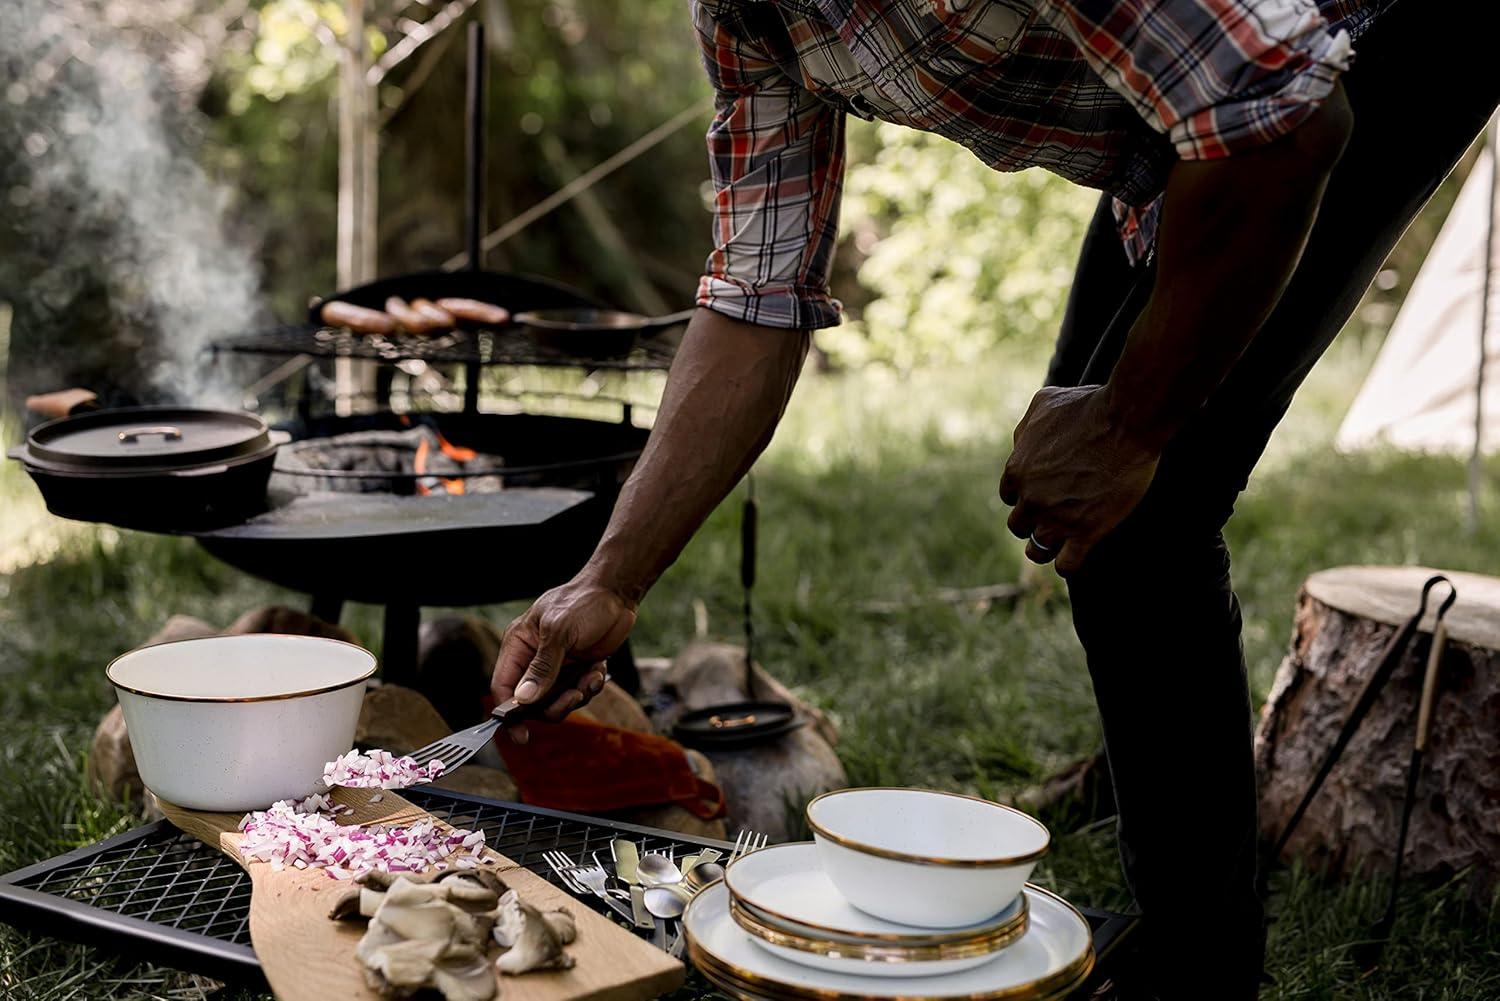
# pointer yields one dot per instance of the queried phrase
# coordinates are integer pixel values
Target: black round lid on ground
(736, 724)
(146, 439)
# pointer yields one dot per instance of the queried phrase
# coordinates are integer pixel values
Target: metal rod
(590, 177)
(1476, 457)
(275, 377)
(474, 118)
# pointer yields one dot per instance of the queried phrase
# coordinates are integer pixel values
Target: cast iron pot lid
(736, 724)
(135, 440)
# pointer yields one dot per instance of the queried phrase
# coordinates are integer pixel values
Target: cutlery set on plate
(650, 890)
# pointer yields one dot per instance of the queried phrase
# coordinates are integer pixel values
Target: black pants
(1171, 688)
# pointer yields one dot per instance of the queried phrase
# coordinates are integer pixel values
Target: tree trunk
(1344, 619)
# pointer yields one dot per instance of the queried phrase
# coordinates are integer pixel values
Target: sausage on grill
(357, 318)
(474, 311)
(411, 319)
(437, 317)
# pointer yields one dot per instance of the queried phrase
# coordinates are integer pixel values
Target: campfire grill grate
(456, 347)
(156, 894)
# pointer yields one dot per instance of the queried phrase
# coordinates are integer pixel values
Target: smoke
(106, 201)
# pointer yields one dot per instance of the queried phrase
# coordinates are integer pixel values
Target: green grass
(877, 487)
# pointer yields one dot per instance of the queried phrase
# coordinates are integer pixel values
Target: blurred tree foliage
(953, 257)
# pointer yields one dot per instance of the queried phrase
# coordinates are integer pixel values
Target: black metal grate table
(159, 895)
(454, 347)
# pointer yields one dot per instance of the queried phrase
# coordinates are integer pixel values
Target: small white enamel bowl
(925, 858)
(239, 722)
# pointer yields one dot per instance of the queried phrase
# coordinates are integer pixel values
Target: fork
(583, 880)
(747, 842)
(457, 748)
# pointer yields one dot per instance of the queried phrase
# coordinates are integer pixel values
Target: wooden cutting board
(308, 957)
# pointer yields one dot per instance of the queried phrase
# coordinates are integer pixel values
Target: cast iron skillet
(594, 333)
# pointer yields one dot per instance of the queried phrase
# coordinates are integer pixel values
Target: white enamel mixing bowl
(925, 858)
(238, 722)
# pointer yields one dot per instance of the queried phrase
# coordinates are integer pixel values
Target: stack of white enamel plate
(780, 926)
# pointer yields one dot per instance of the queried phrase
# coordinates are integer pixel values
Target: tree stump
(1344, 619)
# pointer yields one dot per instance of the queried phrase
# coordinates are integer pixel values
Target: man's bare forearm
(727, 390)
(1232, 233)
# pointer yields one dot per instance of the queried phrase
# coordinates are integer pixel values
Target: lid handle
(166, 431)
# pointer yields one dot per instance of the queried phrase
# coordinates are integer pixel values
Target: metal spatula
(457, 748)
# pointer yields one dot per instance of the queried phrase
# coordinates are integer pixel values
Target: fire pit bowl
(238, 722)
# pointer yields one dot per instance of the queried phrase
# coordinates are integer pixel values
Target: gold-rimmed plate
(916, 948)
(785, 887)
(1053, 956)
(865, 960)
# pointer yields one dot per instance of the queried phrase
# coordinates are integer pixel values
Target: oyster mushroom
(471, 894)
(429, 920)
(347, 905)
(562, 924)
(471, 981)
(483, 875)
(404, 965)
(530, 941)
(419, 939)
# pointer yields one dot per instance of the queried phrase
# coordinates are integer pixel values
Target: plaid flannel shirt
(1107, 93)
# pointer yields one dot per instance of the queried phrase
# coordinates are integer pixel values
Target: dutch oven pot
(160, 468)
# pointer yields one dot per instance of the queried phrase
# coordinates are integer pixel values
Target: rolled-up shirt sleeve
(1216, 76)
(776, 154)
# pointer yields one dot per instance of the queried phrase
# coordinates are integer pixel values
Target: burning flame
(455, 452)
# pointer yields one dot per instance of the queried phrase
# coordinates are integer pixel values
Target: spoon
(655, 869)
(701, 875)
(665, 902)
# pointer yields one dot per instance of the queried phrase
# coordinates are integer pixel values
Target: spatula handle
(510, 711)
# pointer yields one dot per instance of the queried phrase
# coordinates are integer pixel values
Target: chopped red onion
(379, 770)
(305, 835)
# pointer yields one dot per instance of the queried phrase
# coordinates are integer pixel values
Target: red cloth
(583, 767)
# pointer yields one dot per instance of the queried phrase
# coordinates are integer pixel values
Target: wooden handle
(1429, 684)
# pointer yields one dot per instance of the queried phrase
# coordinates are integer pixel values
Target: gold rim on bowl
(891, 853)
(893, 954)
(1046, 989)
(363, 677)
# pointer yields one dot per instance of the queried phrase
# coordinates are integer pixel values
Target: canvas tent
(1428, 390)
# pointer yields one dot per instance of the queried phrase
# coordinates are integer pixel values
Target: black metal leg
(471, 388)
(385, 375)
(622, 669)
(327, 607)
(398, 650)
